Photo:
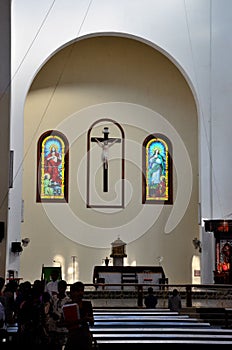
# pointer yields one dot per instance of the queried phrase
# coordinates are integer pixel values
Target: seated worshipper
(150, 299)
(78, 317)
(174, 301)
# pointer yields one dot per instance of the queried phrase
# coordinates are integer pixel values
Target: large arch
(110, 74)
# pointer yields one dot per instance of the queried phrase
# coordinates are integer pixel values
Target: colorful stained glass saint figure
(156, 170)
(52, 168)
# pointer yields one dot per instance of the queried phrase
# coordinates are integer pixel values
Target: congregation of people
(37, 308)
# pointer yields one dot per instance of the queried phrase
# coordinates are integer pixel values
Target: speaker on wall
(16, 247)
(2, 230)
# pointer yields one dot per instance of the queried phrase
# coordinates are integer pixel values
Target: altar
(134, 275)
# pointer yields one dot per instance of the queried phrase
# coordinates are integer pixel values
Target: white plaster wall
(4, 126)
(137, 86)
(194, 34)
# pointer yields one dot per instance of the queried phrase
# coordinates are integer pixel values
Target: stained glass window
(157, 170)
(52, 176)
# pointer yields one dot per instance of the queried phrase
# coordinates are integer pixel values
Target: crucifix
(105, 143)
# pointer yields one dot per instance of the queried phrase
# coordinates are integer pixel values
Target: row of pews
(118, 328)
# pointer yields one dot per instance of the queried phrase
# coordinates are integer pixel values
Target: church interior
(98, 102)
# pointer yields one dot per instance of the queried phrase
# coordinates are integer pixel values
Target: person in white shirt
(57, 331)
(52, 286)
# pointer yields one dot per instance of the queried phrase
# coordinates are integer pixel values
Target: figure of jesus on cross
(105, 143)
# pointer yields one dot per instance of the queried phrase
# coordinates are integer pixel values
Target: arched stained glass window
(157, 170)
(52, 167)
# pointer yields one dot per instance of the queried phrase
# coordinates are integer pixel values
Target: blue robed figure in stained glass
(156, 172)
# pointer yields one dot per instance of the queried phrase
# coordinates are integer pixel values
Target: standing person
(2, 302)
(2, 307)
(174, 301)
(32, 319)
(150, 299)
(8, 300)
(2, 285)
(79, 335)
(57, 331)
(52, 286)
(23, 294)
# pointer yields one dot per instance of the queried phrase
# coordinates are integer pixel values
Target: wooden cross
(105, 143)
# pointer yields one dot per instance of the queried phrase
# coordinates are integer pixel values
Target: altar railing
(192, 295)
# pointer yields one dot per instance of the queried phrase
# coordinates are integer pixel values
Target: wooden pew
(228, 314)
(147, 324)
(163, 330)
(132, 310)
(142, 318)
(165, 336)
(140, 336)
(136, 312)
(120, 328)
(149, 343)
